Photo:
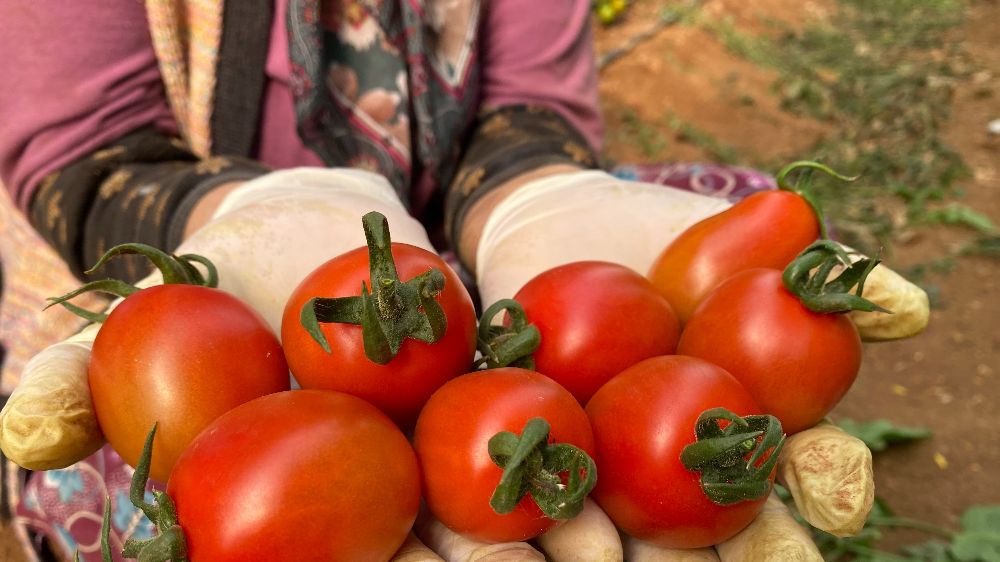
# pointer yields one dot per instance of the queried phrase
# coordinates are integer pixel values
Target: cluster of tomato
(659, 383)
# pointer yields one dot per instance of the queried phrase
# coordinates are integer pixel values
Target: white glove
(265, 237)
(575, 216)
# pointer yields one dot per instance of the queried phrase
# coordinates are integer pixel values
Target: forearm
(479, 212)
(141, 188)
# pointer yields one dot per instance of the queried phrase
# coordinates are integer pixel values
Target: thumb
(49, 420)
(774, 535)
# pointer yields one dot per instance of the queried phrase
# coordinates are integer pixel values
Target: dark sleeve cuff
(505, 143)
(139, 189)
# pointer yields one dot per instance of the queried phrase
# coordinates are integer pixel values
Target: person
(256, 133)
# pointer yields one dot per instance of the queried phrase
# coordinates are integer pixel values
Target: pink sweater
(79, 75)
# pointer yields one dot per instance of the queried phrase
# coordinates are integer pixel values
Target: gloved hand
(590, 215)
(264, 238)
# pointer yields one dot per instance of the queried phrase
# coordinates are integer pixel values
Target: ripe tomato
(452, 436)
(401, 386)
(643, 419)
(795, 362)
(595, 319)
(178, 355)
(767, 229)
(299, 475)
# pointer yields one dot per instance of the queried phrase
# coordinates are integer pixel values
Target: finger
(588, 537)
(455, 548)
(49, 421)
(415, 551)
(639, 551)
(908, 302)
(774, 536)
(829, 474)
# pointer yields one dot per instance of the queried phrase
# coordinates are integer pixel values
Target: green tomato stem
(727, 476)
(782, 180)
(807, 275)
(532, 466)
(503, 346)
(392, 311)
(169, 544)
(175, 270)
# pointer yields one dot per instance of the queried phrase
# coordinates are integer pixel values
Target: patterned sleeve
(140, 188)
(539, 103)
(506, 143)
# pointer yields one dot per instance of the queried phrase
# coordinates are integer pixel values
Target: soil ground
(945, 378)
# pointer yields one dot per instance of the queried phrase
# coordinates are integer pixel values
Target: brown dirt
(684, 72)
(945, 378)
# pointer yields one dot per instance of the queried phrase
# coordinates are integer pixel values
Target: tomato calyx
(807, 278)
(533, 466)
(393, 311)
(507, 346)
(169, 544)
(720, 455)
(175, 269)
(801, 189)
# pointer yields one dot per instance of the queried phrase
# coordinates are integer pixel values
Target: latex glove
(264, 238)
(590, 215)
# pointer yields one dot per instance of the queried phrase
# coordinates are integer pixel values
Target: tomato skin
(299, 475)
(178, 355)
(400, 387)
(595, 319)
(642, 419)
(767, 229)
(796, 363)
(451, 438)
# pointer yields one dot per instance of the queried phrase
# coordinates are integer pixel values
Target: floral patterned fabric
(385, 85)
(66, 506)
(731, 182)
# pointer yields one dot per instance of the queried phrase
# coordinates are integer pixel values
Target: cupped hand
(264, 238)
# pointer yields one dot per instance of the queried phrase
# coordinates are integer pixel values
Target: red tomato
(178, 355)
(642, 419)
(595, 319)
(796, 363)
(299, 475)
(767, 229)
(451, 439)
(400, 387)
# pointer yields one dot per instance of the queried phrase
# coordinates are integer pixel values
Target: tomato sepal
(507, 345)
(111, 286)
(392, 311)
(801, 191)
(720, 455)
(532, 466)
(169, 544)
(175, 270)
(807, 278)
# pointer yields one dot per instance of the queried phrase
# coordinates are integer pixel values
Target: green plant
(879, 434)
